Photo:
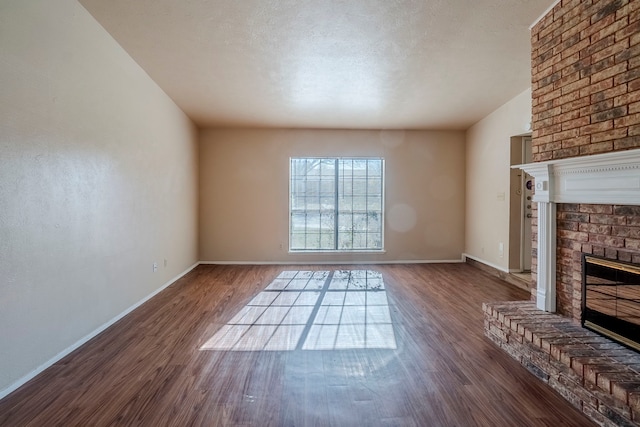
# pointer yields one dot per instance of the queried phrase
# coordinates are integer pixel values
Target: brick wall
(586, 100)
(604, 230)
(586, 79)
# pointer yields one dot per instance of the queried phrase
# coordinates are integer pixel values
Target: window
(335, 204)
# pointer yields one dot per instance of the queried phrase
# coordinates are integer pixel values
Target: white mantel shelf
(610, 178)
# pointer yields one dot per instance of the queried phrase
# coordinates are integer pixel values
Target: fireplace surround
(610, 179)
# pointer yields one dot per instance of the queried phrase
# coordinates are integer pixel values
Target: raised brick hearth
(599, 377)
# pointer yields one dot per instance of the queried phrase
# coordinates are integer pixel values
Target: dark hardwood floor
(155, 368)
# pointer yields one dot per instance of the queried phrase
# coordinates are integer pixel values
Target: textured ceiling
(354, 64)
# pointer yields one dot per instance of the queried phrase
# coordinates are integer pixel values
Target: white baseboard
(18, 383)
(25, 378)
(352, 262)
(497, 267)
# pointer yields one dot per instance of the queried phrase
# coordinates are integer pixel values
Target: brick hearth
(599, 377)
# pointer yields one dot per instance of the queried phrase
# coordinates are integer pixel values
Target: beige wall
(488, 180)
(244, 192)
(98, 179)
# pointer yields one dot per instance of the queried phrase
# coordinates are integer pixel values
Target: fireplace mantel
(610, 178)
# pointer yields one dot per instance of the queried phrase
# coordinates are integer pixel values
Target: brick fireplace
(586, 205)
(586, 153)
(585, 101)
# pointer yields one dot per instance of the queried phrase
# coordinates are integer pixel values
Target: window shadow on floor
(312, 310)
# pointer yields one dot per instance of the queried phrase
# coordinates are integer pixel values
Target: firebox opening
(611, 299)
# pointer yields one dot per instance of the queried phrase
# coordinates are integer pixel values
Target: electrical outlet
(165, 263)
(500, 249)
(155, 267)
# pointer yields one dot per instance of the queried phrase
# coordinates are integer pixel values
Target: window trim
(382, 210)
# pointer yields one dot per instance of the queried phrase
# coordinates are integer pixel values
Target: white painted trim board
(490, 264)
(25, 378)
(353, 262)
(544, 14)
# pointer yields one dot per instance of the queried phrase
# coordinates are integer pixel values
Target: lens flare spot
(402, 218)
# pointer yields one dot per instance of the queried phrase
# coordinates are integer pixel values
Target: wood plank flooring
(149, 368)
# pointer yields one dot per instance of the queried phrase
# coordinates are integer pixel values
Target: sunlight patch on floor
(312, 310)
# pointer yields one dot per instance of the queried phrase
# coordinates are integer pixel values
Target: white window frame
(336, 249)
